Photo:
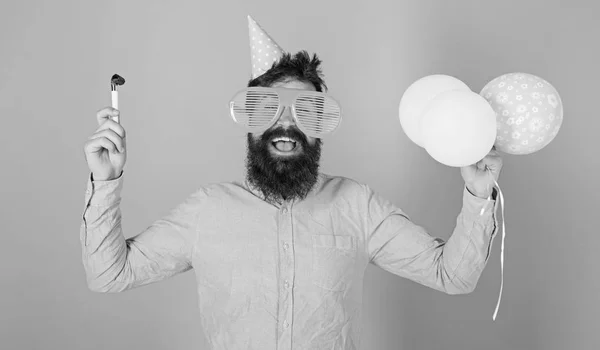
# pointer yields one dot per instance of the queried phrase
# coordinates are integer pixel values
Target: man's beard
(280, 177)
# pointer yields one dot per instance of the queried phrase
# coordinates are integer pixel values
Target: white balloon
(417, 97)
(458, 128)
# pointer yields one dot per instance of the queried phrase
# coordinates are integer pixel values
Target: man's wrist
(106, 178)
(487, 195)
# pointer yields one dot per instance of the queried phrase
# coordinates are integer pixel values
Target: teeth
(287, 139)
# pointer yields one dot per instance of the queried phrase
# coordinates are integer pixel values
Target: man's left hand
(477, 176)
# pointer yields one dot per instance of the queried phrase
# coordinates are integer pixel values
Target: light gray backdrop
(184, 59)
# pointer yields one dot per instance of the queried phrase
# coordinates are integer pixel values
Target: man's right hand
(105, 151)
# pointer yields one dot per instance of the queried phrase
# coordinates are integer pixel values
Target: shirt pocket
(333, 261)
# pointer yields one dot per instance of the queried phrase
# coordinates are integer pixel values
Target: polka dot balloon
(529, 112)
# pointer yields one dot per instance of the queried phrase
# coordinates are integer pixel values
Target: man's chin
(282, 174)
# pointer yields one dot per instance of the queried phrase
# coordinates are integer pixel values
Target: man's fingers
(490, 161)
(114, 126)
(106, 114)
(111, 135)
(97, 144)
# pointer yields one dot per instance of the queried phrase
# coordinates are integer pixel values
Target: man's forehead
(292, 83)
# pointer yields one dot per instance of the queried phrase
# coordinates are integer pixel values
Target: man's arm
(113, 263)
(399, 246)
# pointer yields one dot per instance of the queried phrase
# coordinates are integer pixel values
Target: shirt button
(284, 210)
(286, 284)
(286, 246)
(285, 324)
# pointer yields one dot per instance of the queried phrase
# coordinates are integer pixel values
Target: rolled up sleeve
(401, 247)
(113, 263)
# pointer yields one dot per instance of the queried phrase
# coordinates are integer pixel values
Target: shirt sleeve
(113, 263)
(401, 247)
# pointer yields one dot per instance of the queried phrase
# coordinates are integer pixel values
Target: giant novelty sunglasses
(256, 109)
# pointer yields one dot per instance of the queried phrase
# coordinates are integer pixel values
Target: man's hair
(300, 67)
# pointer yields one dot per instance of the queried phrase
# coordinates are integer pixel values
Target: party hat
(263, 48)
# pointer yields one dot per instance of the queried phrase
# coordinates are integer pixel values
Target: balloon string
(502, 246)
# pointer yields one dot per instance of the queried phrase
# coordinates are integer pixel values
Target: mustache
(292, 132)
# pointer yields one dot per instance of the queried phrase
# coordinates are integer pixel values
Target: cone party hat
(263, 48)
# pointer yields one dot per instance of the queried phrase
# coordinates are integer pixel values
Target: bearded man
(279, 256)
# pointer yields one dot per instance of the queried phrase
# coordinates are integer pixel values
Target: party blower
(115, 81)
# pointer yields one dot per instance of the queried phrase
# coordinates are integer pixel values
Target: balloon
(417, 97)
(529, 112)
(458, 128)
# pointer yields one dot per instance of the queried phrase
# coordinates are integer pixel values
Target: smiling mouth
(285, 145)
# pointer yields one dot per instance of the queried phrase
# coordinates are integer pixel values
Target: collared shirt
(281, 275)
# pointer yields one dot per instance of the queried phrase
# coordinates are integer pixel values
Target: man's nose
(286, 118)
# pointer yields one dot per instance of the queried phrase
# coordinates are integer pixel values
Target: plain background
(183, 60)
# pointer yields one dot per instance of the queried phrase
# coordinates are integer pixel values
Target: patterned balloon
(529, 112)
